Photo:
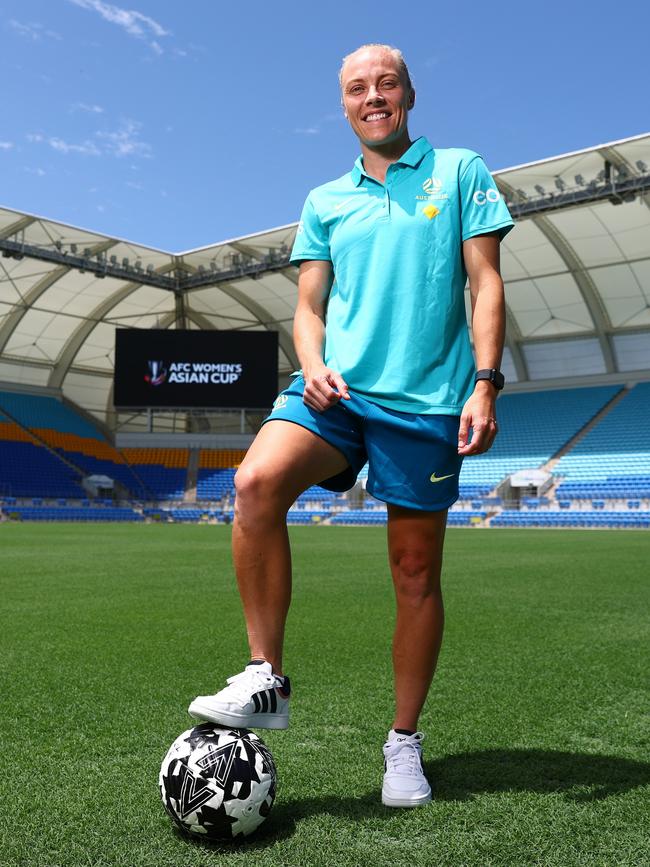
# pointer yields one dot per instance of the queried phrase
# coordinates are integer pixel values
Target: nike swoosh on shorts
(434, 478)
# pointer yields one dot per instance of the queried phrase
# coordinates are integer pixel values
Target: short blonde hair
(389, 49)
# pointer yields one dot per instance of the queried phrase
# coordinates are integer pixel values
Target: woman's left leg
(415, 542)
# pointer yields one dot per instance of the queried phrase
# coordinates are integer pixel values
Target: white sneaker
(404, 782)
(256, 698)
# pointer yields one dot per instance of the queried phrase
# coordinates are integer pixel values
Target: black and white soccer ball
(218, 783)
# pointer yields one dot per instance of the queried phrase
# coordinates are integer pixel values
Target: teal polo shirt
(396, 327)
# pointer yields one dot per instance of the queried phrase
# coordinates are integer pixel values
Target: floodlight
(113, 260)
(559, 183)
(641, 166)
(125, 262)
(540, 189)
(150, 269)
(73, 248)
(522, 194)
(580, 181)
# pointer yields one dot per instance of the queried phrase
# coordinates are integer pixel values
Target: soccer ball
(217, 783)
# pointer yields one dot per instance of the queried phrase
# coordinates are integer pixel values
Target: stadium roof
(576, 270)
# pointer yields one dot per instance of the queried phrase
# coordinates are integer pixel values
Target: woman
(387, 377)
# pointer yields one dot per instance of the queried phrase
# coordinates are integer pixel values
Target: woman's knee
(416, 575)
(258, 490)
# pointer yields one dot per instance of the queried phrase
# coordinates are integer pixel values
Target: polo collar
(412, 158)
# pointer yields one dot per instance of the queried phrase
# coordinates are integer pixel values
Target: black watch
(492, 375)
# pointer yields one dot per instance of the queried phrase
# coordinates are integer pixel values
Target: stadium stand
(27, 469)
(52, 428)
(612, 461)
(163, 471)
(73, 513)
(572, 518)
(216, 472)
(604, 479)
(526, 439)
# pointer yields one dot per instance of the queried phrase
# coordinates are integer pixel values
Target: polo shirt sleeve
(312, 238)
(482, 207)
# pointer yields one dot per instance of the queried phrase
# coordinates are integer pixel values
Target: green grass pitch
(536, 745)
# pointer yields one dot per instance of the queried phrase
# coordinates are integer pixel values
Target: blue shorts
(412, 459)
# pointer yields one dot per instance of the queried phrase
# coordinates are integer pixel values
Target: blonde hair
(395, 52)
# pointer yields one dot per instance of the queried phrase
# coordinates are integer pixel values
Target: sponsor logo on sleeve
(481, 197)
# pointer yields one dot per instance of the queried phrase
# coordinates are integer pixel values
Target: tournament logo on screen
(191, 368)
(157, 373)
(204, 372)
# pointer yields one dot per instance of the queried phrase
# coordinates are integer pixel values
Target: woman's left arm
(481, 256)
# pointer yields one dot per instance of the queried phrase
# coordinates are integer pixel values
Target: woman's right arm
(323, 387)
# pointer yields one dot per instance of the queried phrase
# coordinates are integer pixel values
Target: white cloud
(132, 22)
(37, 171)
(6, 145)
(317, 127)
(125, 141)
(33, 31)
(87, 148)
(88, 108)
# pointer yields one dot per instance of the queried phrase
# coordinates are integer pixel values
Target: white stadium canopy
(576, 270)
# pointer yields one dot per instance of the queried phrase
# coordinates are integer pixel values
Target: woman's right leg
(284, 460)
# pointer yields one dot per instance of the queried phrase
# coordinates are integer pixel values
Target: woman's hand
(324, 388)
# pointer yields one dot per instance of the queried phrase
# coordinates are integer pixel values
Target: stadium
(576, 274)
(119, 595)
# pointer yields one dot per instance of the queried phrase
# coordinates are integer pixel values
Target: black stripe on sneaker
(274, 700)
(263, 697)
(256, 702)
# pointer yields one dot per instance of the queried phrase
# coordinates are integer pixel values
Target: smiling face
(377, 96)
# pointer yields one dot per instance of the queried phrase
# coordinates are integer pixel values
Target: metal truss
(182, 279)
(605, 188)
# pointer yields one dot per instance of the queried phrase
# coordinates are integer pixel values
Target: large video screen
(205, 369)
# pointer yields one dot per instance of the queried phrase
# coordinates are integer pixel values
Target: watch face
(494, 376)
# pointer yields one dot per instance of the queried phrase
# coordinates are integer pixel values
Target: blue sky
(182, 124)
